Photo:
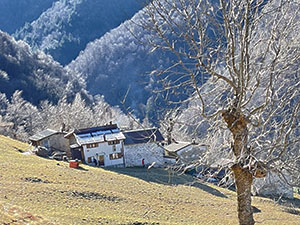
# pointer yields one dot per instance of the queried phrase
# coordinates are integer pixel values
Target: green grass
(34, 190)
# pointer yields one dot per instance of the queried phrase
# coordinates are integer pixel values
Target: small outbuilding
(185, 151)
(51, 140)
(273, 185)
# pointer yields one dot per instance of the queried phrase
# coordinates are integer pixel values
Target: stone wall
(58, 141)
(150, 152)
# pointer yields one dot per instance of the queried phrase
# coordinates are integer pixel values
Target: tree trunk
(237, 124)
(243, 181)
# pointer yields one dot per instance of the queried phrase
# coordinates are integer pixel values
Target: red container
(73, 164)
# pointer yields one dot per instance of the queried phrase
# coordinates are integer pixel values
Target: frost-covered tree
(20, 119)
(35, 73)
(105, 113)
(21, 114)
(3, 103)
(68, 26)
(71, 115)
(118, 62)
(247, 54)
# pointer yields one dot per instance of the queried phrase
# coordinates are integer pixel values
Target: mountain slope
(49, 190)
(119, 63)
(65, 28)
(15, 13)
(35, 73)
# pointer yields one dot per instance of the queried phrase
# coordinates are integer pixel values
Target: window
(115, 156)
(114, 148)
(94, 145)
(114, 142)
(89, 159)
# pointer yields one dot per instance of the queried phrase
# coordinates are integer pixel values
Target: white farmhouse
(103, 145)
(143, 146)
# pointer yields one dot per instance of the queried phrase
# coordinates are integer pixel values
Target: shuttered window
(115, 156)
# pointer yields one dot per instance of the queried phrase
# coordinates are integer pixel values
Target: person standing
(143, 162)
(95, 161)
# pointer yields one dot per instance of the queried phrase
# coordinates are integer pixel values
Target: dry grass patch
(54, 193)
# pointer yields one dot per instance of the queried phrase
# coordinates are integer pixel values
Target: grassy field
(34, 190)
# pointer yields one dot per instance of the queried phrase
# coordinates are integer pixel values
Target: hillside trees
(20, 119)
(68, 26)
(35, 73)
(120, 61)
(20, 114)
(249, 51)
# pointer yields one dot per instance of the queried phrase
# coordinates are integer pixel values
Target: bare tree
(20, 114)
(239, 59)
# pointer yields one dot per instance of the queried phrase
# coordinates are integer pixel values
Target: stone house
(143, 144)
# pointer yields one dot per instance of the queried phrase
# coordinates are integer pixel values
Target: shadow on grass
(295, 202)
(81, 168)
(166, 177)
(209, 189)
(292, 211)
(291, 206)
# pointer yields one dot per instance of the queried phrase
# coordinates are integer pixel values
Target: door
(101, 160)
(76, 153)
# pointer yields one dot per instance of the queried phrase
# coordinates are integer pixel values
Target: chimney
(169, 131)
(63, 127)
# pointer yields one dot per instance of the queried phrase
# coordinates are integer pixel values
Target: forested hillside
(117, 59)
(15, 13)
(119, 64)
(34, 73)
(65, 28)
(36, 92)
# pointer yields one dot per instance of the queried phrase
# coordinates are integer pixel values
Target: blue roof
(84, 135)
(107, 129)
(100, 134)
(142, 136)
(115, 130)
